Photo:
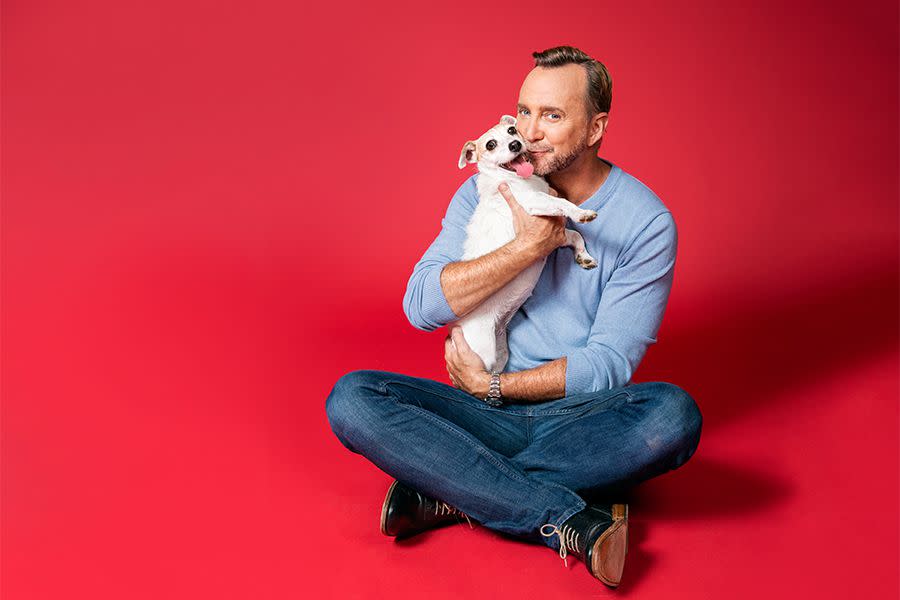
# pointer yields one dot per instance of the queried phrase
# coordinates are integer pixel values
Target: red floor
(193, 252)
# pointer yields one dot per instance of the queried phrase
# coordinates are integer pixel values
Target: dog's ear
(507, 120)
(467, 155)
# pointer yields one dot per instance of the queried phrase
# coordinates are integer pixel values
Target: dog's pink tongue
(524, 168)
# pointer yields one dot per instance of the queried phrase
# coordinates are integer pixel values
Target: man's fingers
(459, 340)
(450, 375)
(507, 195)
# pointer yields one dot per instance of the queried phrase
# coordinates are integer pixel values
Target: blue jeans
(519, 466)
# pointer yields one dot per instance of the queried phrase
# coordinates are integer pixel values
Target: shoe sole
(384, 508)
(608, 555)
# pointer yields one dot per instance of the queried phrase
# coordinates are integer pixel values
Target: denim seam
(563, 411)
(591, 411)
(479, 405)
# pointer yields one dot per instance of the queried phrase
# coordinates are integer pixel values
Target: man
(570, 434)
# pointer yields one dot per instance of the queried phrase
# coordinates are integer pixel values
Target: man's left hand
(466, 369)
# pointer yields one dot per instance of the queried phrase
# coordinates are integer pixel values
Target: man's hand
(466, 369)
(539, 233)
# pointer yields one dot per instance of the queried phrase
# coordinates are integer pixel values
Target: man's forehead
(559, 87)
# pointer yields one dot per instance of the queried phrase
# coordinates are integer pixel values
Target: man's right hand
(538, 234)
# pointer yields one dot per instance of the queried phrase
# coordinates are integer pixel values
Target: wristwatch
(494, 398)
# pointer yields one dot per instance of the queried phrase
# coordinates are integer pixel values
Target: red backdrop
(210, 213)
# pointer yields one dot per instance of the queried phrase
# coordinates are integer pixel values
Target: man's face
(552, 117)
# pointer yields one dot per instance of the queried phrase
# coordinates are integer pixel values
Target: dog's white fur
(491, 226)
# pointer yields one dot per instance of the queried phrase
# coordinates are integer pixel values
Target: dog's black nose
(515, 146)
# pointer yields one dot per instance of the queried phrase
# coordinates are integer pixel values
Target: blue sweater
(602, 320)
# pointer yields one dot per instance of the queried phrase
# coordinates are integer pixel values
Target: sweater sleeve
(630, 311)
(424, 302)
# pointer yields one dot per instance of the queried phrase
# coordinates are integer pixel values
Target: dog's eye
(512, 131)
(490, 145)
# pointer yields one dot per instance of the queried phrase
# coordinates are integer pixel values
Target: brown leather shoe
(598, 536)
(406, 512)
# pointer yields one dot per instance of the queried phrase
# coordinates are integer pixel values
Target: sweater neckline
(599, 198)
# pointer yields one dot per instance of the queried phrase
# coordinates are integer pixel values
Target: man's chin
(541, 166)
(544, 170)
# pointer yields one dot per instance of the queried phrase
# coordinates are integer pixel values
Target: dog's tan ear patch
(468, 154)
(508, 120)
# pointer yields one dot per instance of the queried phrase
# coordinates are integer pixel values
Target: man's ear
(467, 155)
(597, 127)
(508, 120)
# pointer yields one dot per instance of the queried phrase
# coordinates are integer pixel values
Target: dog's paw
(586, 261)
(586, 216)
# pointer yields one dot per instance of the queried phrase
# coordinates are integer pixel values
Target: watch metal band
(494, 397)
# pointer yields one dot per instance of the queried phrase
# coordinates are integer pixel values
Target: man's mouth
(520, 165)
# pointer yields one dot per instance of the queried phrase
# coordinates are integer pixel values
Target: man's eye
(512, 131)
(523, 111)
(490, 145)
(554, 115)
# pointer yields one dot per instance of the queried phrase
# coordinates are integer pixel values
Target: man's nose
(532, 131)
(515, 146)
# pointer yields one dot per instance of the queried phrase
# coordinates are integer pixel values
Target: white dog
(501, 157)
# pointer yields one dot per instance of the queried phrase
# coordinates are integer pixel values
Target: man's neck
(581, 180)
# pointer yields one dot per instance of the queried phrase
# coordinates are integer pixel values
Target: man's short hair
(599, 89)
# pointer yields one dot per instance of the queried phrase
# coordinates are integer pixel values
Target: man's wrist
(494, 397)
(484, 384)
(525, 248)
(539, 384)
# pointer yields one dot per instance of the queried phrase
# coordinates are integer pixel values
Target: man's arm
(468, 283)
(628, 318)
(424, 302)
(630, 312)
(444, 288)
(546, 382)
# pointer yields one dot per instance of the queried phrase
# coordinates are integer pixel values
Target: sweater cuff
(579, 373)
(434, 303)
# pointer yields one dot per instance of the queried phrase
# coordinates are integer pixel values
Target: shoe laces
(442, 508)
(568, 537)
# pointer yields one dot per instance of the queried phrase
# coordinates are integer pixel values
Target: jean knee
(342, 403)
(687, 421)
(678, 422)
